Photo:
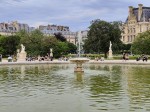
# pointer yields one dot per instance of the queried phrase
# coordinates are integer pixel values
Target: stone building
(138, 21)
(10, 28)
(49, 30)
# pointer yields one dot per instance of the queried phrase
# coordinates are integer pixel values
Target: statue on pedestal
(51, 54)
(110, 50)
(110, 46)
(21, 55)
(22, 48)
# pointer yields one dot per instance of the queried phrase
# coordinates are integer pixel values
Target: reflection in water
(138, 79)
(51, 88)
(79, 76)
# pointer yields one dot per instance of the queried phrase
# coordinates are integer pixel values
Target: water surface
(56, 88)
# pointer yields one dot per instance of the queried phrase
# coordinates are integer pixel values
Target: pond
(56, 88)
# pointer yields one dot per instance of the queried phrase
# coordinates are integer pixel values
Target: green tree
(2, 40)
(38, 44)
(8, 44)
(60, 37)
(63, 48)
(47, 43)
(100, 35)
(32, 41)
(71, 48)
(126, 48)
(141, 44)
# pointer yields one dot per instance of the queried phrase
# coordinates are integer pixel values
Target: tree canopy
(36, 44)
(141, 44)
(60, 37)
(100, 35)
(8, 44)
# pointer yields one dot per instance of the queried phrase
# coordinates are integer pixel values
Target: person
(145, 58)
(123, 57)
(9, 59)
(51, 58)
(138, 58)
(126, 56)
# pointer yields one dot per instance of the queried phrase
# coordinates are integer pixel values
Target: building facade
(11, 28)
(50, 30)
(138, 21)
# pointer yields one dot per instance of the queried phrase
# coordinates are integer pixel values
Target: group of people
(143, 57)
(46, 58)
(39, 58)
(63, 59)
(101, 59)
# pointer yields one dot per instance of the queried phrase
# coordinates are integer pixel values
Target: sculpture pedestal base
(22, 56)
(110, 54)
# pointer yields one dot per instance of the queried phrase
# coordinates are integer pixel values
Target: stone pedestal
(22, 56)
(110, 54)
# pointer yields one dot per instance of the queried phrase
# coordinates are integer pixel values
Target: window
(140, 29)
(134, 30)
(128, 38)
(131, 39)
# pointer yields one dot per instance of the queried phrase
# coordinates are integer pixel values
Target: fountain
(79, 60)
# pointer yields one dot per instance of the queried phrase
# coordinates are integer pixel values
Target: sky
(77, 14)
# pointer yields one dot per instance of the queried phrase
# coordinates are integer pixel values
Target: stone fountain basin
(79, 60)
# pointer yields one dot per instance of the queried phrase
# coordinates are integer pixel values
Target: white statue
(110, 46)
(51, 52)
(110, 51)
(21, 54)
(22, 48)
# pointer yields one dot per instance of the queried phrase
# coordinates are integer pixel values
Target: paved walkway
(5, 62)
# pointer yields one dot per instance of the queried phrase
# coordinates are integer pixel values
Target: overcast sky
(76, 14)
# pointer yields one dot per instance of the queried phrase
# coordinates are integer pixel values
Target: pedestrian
(123, 57)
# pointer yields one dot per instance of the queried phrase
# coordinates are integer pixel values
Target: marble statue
(21, 54)
(51, 52)
(22, 48)
(110, 46)
(110, 51)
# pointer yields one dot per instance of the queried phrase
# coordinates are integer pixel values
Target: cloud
(76, 14)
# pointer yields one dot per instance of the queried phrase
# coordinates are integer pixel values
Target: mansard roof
(145, 14)
(145, 17)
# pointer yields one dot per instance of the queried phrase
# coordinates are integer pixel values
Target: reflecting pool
(56, 88)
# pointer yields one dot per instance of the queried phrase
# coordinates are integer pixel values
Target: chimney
(130, 11)
(140, 11)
